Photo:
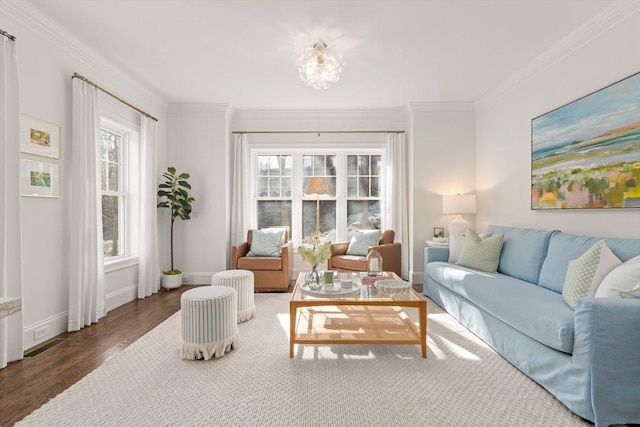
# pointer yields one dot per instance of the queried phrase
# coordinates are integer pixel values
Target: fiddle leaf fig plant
(175, 192)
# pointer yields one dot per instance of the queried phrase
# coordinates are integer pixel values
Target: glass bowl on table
(392, 287)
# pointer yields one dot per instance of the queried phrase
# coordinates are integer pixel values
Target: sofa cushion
(523, 251)
(349, 262)
(536, 312)
(257, 263)
(585, 273)
(565, 247)
(362, 240)
(481, 254)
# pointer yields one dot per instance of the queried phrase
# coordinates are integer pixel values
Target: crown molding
(198, 109)
(584, 34)
(111, 77)
(441, 107)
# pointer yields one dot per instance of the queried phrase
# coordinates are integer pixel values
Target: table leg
(423, 327)
(293, 313)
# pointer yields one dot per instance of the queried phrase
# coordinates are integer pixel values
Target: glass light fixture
(319, 66)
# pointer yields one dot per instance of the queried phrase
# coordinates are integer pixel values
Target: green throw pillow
(362, 240)
(585, 273)
(481, 254)
(266, 243)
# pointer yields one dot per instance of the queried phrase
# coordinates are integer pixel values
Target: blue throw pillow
(362, 240)
(266, 243)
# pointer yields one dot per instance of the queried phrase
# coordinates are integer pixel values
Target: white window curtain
(397, 206)
(240, 197)
(10, 204)
(86, 269)
(148, 262)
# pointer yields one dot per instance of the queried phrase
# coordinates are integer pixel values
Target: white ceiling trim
(590, 30)
(36, 21)
(442, 107)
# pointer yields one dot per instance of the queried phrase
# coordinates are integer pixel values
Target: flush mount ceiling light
(319, 66)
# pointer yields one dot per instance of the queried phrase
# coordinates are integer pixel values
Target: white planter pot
(172, 281)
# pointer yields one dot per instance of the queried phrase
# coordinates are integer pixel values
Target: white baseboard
(121, 297)
(54, 325)
(197, 278)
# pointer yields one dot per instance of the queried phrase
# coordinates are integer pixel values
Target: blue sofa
(588, 358)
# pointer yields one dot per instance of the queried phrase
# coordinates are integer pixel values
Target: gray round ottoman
(209, 322)
(242, 282)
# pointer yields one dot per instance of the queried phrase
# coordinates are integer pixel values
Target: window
(118, 150)
(354, 185)
(113, 179)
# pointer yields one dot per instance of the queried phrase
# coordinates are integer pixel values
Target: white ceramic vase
(171, 281)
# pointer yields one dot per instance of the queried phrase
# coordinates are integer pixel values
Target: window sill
(120, 263)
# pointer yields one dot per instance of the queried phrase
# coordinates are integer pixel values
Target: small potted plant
(175, 192)
(315, 256)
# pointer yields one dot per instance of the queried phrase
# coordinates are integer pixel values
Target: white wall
(443, 163)
(47, 58)
(602, 52)
(197, 139)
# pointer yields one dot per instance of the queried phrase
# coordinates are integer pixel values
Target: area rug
(461, 383)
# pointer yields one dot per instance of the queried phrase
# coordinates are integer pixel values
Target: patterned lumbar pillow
(481, 254)
(362, 240)
(623, 280)
(266, 243)
(585, 273)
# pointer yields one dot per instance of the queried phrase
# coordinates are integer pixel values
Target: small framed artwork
(39, 137)
(39, 179)
(438, 232)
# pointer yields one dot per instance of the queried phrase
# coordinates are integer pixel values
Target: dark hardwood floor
(27, 384)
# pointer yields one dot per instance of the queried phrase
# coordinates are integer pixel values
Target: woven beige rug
(461, 383)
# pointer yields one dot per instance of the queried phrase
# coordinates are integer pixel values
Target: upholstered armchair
(391, 255)
(271, 273)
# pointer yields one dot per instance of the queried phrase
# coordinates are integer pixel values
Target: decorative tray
(333, 291)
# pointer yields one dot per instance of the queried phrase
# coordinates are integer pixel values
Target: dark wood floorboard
(27, 384)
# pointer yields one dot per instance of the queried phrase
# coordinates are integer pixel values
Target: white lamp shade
(459, 204)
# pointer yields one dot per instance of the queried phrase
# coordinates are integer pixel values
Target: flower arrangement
(315, 255)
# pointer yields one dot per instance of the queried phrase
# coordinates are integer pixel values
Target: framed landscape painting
(586, 154)
(39, 137)
(39, 179)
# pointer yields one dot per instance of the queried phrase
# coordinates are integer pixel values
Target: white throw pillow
(585, 273)
(481, 254)
(623, 278)
(362, 240)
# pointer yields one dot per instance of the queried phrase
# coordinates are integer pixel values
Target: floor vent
(44, 347)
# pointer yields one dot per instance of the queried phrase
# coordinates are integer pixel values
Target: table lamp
(457, 205)
(317, 185)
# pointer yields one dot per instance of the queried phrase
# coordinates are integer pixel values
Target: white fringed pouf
(242, 282)
(209, 325)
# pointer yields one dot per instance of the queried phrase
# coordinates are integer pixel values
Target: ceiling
(243, 52)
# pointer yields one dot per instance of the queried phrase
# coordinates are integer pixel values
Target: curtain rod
(84, 79)
(315, 131)
(7, 35)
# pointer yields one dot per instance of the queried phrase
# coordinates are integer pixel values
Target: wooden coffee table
(364, 316)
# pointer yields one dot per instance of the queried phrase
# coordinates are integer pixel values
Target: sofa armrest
(391, 254)
(339, 248)
(237, 252)
(432, 253)
(607, 340)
